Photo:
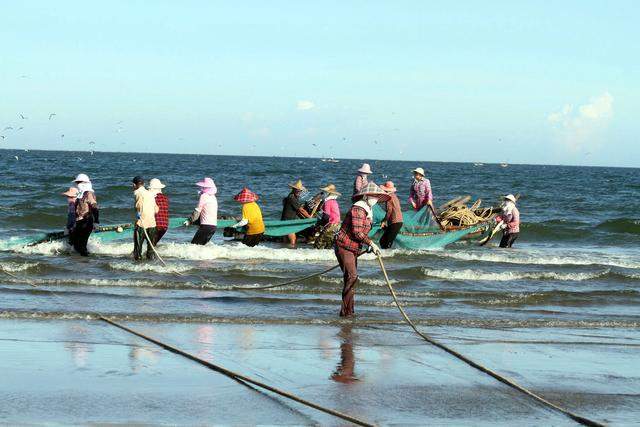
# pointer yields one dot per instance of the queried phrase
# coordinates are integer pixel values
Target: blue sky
(522, 82)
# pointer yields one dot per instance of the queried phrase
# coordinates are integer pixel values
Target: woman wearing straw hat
(162, 216)
(206, 213)
(251, 217)
(362, 179)
(420, 194)
(87, 214)
(330, 219)
(353, 234)
(293, 208)
(509, 221)
(392, 222)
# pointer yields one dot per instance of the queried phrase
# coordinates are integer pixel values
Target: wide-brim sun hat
(156, 184)
(82, 178)
(71, 192)
(331, 189)
(365, 168)
(298, 186)
(419, 170)
(206, 183)
(389, 187)
(372, 189)
(510, 197)
(246, 196)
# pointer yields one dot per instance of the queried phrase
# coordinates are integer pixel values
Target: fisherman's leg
(83, 237)
(151, 232)
(350, 277)
(504, 242)
(160, 232)
(200, 238)
(252, 239)
(512, 238)
(292, 239)
(137, 242)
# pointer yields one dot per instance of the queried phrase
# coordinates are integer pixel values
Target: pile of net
(457, 213)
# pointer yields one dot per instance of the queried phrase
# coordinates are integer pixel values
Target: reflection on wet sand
(344, 372)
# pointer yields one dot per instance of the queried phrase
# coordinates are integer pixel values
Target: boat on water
(330, 160)
(504, 165)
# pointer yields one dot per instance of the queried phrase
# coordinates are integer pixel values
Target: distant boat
(331, 160)
(504, 165)
(478, 164)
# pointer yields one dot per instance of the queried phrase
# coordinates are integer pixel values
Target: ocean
(573, 276)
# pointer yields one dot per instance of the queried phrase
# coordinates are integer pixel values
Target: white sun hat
(419, 170)
(510, 197)
(156, 184)
(365, 168)
(82, 178)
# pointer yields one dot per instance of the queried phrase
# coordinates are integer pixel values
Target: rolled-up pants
(349, 265)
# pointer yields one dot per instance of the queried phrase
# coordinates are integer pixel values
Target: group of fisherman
(346, 236)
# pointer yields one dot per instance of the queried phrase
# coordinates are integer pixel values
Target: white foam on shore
(505, 276)
(149, 267)
(14, 267)
(534, 258)
(228, 251)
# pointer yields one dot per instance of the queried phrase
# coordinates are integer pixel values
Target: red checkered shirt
(162, 217)
(354, 231)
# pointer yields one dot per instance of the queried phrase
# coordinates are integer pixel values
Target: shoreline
(63, 372)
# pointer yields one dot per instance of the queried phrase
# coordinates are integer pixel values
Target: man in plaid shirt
(162, 216)
(353, 234)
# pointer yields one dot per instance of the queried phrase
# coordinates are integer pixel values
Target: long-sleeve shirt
(394, 211)
(420, 193)
(355, 230)
(332, 209)
(87, 208)
(512, 220)
(207, 210)
(162, 216)
(146, 208)
(361, 181)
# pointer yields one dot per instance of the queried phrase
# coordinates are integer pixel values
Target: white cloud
(305, 105)
(579, 128)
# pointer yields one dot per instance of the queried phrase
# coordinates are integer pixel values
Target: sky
(518, 82)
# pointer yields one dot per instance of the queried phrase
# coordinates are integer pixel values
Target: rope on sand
(478, 366)
(247, 381)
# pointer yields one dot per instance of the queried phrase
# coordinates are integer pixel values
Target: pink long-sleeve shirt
(332, 209)
(420, 193)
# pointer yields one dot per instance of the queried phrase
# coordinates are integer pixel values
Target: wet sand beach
(86, 372)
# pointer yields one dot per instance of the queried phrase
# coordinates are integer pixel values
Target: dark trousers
(139, 238)
(160, 232)
(508, 239)
(204, 234)
(252, 240)
(389, 235)
(349, 265)
(80, 236)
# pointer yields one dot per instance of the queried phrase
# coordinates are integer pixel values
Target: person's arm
(299, 207)
(93, 207)
(412, 197)
(245, 220)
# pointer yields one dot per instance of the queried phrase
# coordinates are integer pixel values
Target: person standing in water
(87, 214)
(206, 213)
(392, 222)
(420, 194)
(293, 208)
(145, 225)
(72, 196)
(362, 179)
(509, 221)
(162, 216)
(353, 234)
(251, 217)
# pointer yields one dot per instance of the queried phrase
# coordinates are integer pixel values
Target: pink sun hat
(71, 192)
(206, 183)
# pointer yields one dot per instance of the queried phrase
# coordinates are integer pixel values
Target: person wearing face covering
(362, 179)
(206, 213)
(87, 214)
(162, 216)
(509, 221)
(353, 235)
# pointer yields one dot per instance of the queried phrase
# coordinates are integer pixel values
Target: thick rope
(481, 368)
(217, 368)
